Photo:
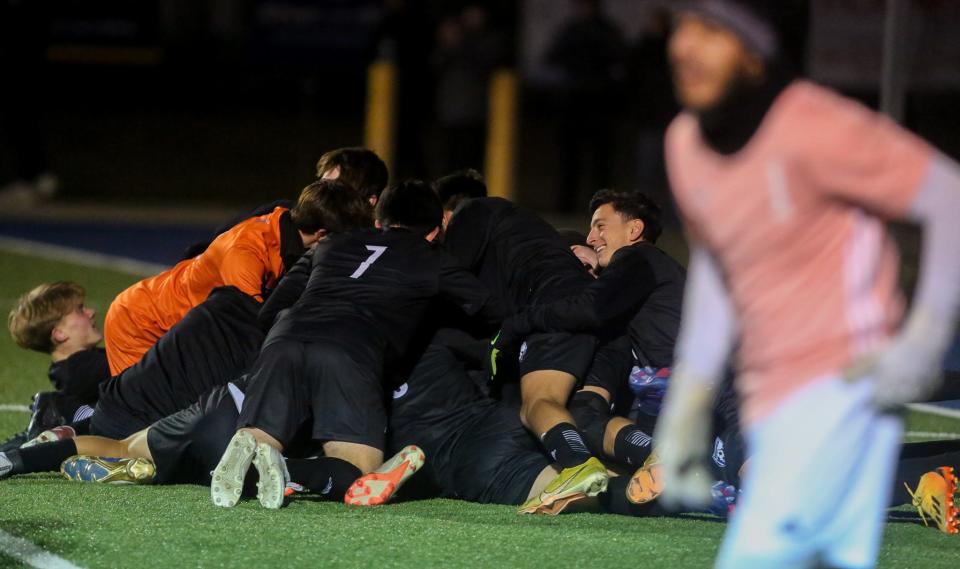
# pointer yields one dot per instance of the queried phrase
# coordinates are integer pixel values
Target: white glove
(682, 438)
(910, 368)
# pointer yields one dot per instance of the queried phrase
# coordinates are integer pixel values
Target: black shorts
(482, 454)
(293, 383)
(187, 445)
(213, 344)
(569, 353)
(610, 370)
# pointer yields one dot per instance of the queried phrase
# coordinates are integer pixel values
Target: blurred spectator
(589, 51)
(654, 101)
(467, 52)
(406, 36)
(22, 102)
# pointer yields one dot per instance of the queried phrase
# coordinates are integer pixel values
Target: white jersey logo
(401, 391)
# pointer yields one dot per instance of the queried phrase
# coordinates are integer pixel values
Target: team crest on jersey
(523, 352)
(719, 455)
(401, 391)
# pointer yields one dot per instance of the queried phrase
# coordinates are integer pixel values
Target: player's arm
(618, 293)
(461, 287)
(466, 236)
(288, 290)
(911, 368)
(244, 268)
(891, 172)
(707, 336)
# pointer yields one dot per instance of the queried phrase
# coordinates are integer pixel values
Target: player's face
(79, 328)
(707, 61)
(610, 232)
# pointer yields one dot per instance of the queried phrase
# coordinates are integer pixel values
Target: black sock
(327, 476)
(632, 446)
(565, 444)
(45, 457)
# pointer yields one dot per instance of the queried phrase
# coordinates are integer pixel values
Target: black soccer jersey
(77, 379)
(640, 293)
(368, 290)
(515, 253)
(477, 448)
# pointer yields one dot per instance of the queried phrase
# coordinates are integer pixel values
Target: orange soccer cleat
(936, 496)
(380, 485)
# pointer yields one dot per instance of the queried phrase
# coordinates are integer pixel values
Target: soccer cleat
(45, 413)
(271, 488)
(53, 435)
(108, 470)
(557, 507)
(227, 481)
(582, 481)
(937, 497)
(380, 485)
(6, 466)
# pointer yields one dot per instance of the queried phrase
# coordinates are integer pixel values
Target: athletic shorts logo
(719, 455)
(401, 391)
(523, 352)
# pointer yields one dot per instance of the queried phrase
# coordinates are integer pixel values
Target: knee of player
(591, 412)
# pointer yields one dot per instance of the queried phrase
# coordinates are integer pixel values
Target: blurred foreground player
(784, 186)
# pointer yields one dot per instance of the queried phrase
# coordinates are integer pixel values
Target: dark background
(202, 102)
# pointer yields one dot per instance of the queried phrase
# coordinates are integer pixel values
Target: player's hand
(682, 442)
(588, 256)
(911, 368)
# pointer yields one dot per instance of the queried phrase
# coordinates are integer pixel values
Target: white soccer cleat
(228, 476)
(273, 476)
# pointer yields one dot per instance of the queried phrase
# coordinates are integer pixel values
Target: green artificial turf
(143, 527)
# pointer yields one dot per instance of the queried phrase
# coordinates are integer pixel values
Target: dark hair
(331, 205)
(411, 204)
(632, 205)
(459, 186)
(360, 168)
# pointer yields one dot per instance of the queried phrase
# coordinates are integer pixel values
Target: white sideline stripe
(935, 410)
(80, 257)
(31, 554)
(15, 408)
(932, 435)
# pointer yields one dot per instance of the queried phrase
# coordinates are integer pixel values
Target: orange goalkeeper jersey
(248, 256)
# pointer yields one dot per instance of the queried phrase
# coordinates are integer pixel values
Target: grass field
(99, 526)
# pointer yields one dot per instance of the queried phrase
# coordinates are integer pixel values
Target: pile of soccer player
(425, 336)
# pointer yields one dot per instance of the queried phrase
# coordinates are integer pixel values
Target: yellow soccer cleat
(937, 497)
(108, 470)
(575, 483)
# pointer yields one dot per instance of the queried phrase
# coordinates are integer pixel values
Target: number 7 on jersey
(375, 252)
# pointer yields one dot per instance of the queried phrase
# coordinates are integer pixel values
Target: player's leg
(550, 366)
(110, 461)
(350, 417)
(808, 458)
(855, 529)
(276, 404)
(61, 454)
